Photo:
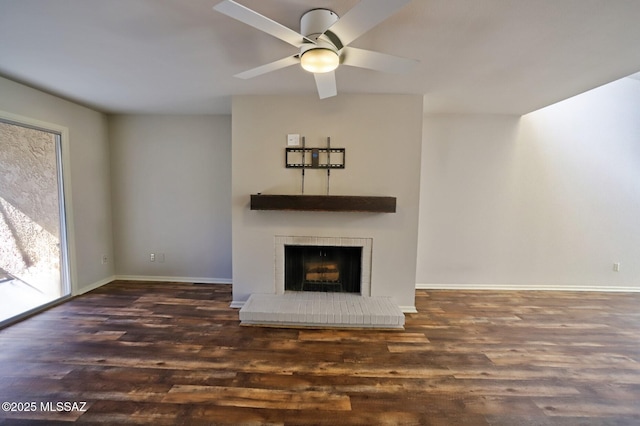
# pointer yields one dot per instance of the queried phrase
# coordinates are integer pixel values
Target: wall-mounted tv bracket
(315, 158)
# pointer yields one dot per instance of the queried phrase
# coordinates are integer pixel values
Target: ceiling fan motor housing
(316, 21)
(322, 56)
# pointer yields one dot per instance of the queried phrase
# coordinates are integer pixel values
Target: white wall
(90, 179)
(550, 200)
(172, 196)
(382, 138)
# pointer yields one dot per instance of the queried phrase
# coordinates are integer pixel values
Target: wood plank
(324, 203)
(258, 398)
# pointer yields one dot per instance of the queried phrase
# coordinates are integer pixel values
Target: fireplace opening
(322, 268)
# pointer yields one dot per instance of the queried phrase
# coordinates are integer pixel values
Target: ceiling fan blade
(326, 84)
(376, 61)
(261, 22)
(364, 16)
(272, 66)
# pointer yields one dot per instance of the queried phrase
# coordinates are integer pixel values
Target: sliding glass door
(33, 249)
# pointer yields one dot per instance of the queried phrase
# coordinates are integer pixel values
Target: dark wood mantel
(324, 203)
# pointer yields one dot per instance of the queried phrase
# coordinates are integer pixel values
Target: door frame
(68, 270)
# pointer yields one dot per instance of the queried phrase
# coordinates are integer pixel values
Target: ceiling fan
(324, 39)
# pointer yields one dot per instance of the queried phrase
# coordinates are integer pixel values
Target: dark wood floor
(164, 353)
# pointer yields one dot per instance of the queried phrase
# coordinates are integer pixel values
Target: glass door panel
(32, 243)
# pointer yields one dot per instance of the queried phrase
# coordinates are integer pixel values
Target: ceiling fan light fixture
(319, 60)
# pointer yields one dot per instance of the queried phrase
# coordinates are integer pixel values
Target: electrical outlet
(616, 267)
(152, 258)
(105, 259)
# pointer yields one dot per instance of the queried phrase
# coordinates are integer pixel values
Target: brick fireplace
(324, 304)
(364, 244)
(382, 138)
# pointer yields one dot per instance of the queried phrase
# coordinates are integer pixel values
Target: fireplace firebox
(323, 268)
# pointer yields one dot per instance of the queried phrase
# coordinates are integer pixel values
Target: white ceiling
(179, 57)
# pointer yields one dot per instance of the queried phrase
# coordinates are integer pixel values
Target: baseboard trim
(408, 309)
(154, 278)
(93, 286)
(527, 287)
(237, 304)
